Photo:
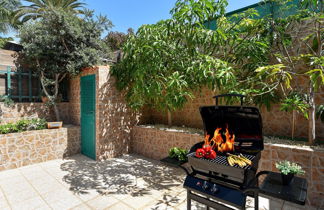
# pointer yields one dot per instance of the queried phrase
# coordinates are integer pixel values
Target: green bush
(23, 125)
(179, 154)
(286, 167)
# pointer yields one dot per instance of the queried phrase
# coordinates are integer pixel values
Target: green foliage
(286, 167)
(23, 125)
(6, 14)
(178, 153)
(61, 44)
(38, 9)
(8, 102)
(320, 112)
(116, 40)
(3, 41)
(163, 64)
(295, 101)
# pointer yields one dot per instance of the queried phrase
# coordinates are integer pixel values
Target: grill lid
(244, 122)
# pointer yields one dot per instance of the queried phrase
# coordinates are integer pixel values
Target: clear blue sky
(133, 13)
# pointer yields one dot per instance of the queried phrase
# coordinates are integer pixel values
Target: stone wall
(114, 120)
(275, 122)
(25, 148)
(155, 143)
(20, 111)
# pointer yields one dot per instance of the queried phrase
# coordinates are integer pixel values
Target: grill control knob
(205, 185)
(214, 189)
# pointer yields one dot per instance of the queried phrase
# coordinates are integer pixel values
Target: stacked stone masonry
(20, 111)
(114, 119)
(275, 122)
(29, 147)
(155, 143)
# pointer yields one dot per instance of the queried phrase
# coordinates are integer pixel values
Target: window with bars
(23, 86)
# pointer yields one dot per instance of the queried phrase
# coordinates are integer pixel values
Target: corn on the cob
(239, 160)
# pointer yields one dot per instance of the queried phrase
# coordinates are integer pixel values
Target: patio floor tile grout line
(82, 202)
(5, 197)
(40, 195)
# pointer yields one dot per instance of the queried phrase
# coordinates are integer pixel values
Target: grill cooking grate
(222, 159)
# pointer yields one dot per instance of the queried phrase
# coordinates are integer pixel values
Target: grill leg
(188, 200)
(256, 201)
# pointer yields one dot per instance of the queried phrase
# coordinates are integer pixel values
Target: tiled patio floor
(129, 182)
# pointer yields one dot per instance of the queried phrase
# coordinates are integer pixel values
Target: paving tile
(3, 201)
(20, 196)
(138, 202)
(102, 202)
(119, 206)
(12, 188)
(43, 186)
(120, 196)
(33, 203)
(9, 174)
(87, 195)
(61, 199)
(81, 207)
(17, 178)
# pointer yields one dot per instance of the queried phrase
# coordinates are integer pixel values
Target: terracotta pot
(286, 179)
(44, 99)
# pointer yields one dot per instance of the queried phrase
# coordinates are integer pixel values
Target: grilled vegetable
(240, 160)
(200, 153)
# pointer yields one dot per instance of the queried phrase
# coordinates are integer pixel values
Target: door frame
(95, 127)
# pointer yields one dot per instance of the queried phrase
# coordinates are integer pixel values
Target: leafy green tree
(6, 14)
(163, 64)
(297, 43)
(39, 8)
(61, 45)
(116, 40)
(295, 102)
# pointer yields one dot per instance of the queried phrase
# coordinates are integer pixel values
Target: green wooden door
(88, 116)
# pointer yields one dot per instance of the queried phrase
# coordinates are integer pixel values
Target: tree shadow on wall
(116, 119)
(131, 174)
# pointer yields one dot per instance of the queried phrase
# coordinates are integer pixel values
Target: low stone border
(29, 147)
(155, 143)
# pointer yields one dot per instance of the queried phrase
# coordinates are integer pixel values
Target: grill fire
(218, 143)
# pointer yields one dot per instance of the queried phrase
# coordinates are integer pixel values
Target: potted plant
(178, 154)
(288, 170)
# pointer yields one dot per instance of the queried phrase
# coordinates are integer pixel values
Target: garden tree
(116, 40)
(3, 41)
(39, 8)
(60, 45)
(6, 14)
(297, 43)
(163, 64)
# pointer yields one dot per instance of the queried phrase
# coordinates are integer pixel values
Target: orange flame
(218, 143)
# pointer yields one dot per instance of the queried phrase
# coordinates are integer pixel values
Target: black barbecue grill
(218, 182)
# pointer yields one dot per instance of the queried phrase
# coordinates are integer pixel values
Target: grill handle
(229, 95)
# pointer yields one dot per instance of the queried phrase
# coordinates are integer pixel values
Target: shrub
(286, 167)
(23, 125)
(179, 154)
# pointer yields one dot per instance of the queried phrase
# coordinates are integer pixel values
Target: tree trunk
(169, 118)
(311, 119)
(56, 111)
(52, 98)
